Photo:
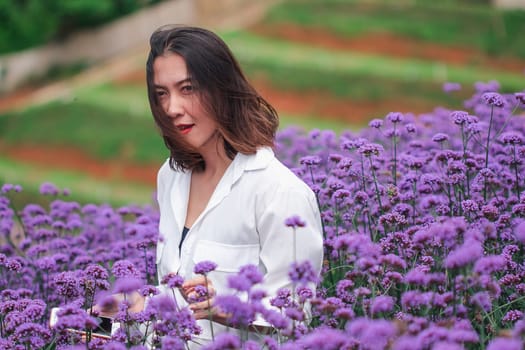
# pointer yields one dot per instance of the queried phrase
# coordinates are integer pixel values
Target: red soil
(389, 44)
(15, 99)
(330, 107)
(76, 160)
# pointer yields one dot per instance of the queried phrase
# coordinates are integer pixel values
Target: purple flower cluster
(424, 237)
(429, 233)
(66, 255)
(204, 267)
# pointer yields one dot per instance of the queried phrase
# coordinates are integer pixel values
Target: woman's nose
(175, 106)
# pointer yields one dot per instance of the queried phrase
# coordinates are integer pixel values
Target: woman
(223, 196)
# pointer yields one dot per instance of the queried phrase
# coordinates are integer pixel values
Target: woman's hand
(199, 293)
(110, 306)
(203, 305)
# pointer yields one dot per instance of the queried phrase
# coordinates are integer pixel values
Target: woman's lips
(185, 128)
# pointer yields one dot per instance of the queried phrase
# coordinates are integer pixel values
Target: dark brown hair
(245, 120)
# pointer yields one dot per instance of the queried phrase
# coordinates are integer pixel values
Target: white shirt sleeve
(277, 240)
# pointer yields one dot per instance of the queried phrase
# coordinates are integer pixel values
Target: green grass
(104, 127)
(113, 121)
(458, 23)
(300, 60)
(354, 86)
(84, 189)
(102, 130)
(309, 122)
(99, 131)
(130, 100)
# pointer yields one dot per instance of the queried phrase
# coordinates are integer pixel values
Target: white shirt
(243, 223)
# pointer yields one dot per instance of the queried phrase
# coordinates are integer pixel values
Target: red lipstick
(185, 128)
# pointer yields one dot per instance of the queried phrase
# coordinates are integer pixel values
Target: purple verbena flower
(282, 299)
(148, 290)
(465, 254)
(512, 138)
(450, 86)
(371, 149)
(395, 117)
(310, 160)
(302, 273)
(172, 342)
(490, 264)
(241, 314)
(32, 333)
(295, 221)
(493, 99)
(512, 316)
(375, 123)
(67, 284)
(381, 304)
(325, 339)
(505, 343)
(482, 300)
(519, 232)
(276, 319)
(520, 96)
(96, 272)
(248, 276)
(294, 313)
(224, 341)
(459, 117)
(127, 285)
(124, 268)
(410, 128)
(376, 333)
(48, 188)
(173, 280)
(200, 293)
(6, 188)
(204, 267)
(440, 137)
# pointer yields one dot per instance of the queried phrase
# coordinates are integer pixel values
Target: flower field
(424, 233)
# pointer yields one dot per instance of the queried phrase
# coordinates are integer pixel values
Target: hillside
(316, 70)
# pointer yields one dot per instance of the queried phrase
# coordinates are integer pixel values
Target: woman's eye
(187, 89)
(160, 93)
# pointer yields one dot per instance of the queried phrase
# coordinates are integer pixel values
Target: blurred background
(73, 104)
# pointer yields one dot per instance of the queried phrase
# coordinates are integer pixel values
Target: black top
(184, 233)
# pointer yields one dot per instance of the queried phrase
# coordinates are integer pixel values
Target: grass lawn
(101, 132)
(459, 23)
(106, 133)
(281, 56)
(107, 121)
(84, 189)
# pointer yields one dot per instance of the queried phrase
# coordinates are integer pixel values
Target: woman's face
(182, 103)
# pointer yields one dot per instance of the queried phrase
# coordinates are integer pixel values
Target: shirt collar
(256, 161)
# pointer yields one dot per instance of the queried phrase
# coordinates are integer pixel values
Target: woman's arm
(281, 245)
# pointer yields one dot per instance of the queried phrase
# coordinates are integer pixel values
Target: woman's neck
(215, 159)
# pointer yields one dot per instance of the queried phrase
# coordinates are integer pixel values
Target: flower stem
(210, 315)
(394, 146)
(487, 152)
(516, 174)
(330, 275)
(376, 186)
